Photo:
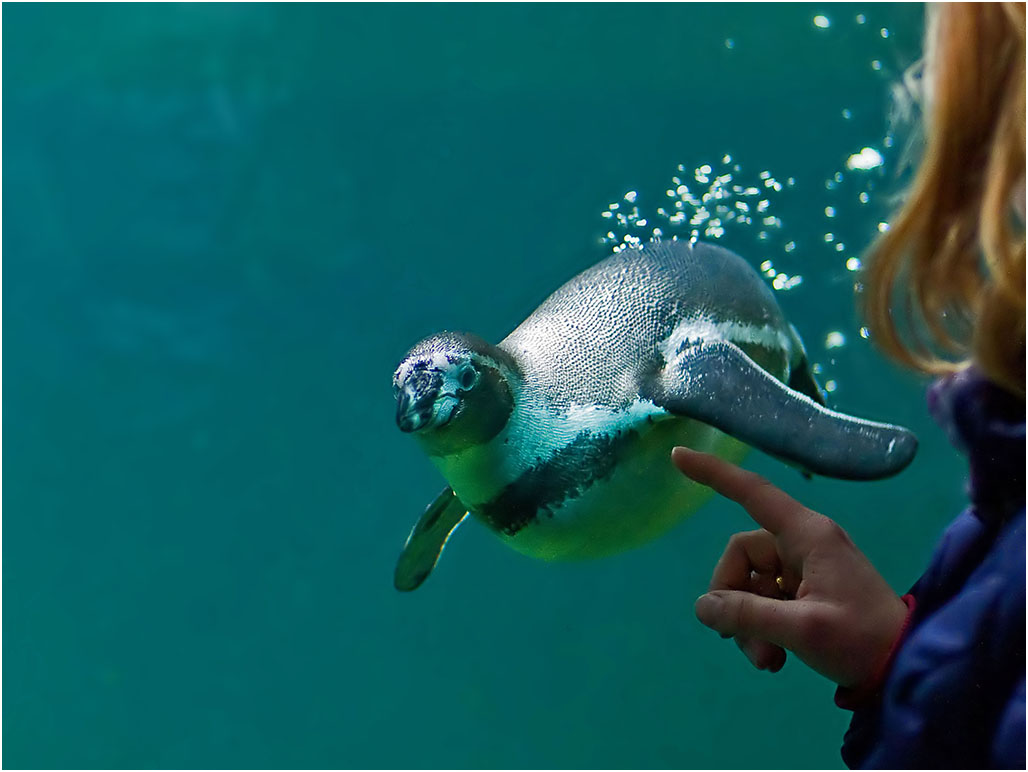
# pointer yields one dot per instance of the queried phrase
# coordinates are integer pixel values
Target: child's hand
(797, 584)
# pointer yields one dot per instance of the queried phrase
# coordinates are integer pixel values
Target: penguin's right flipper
(801, 376)
(718, 384)
(426, 541)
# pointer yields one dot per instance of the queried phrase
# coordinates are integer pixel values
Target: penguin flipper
(427, 538)
(801, 377)
(718, 384)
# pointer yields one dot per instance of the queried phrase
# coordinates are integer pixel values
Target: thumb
(733, 612)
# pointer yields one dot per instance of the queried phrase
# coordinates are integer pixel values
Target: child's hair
(947, 280)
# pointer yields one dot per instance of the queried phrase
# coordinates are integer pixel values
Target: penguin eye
(467, 377)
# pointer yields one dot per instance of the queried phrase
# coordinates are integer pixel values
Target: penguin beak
(414, 408)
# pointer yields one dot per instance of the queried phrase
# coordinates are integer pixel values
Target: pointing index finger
(771, 507)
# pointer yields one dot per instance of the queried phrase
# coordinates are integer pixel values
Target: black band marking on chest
(588, 459)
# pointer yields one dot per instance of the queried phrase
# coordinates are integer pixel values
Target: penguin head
(453, 391)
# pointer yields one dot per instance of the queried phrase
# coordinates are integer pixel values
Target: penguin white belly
(643, 498)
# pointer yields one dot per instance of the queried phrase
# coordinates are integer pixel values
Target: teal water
(224, 225)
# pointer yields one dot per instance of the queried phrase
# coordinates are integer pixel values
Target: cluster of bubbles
(709, 202)
(855, 189)
(854, 186)
(823, 22)
(719, 202)
(863, 172)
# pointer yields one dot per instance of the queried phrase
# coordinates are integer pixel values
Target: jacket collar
(987, 424)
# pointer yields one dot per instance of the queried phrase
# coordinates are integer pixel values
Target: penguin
(558, 437)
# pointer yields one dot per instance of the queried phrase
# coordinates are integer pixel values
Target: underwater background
(224, 226)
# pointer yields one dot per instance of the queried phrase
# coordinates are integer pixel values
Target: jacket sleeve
(955, 696)
(1009, 749)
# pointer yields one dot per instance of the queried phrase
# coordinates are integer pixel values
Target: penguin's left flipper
(718, 384)
(426, 540)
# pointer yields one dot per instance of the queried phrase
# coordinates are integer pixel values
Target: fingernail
(708, 609)
(679, 453)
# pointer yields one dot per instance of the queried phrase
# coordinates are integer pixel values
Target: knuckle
(743, 613)
(731, 616)
(736, 540)
(827, 530)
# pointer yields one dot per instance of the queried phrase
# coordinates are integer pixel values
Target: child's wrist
(856, 697)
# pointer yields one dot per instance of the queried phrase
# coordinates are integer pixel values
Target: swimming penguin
(558, 437)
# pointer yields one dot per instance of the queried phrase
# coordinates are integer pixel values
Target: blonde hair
(947, 281)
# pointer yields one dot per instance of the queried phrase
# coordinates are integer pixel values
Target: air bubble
(867, 158)
(835, 339)
(821, 22)
(853, 264)
(782, 282)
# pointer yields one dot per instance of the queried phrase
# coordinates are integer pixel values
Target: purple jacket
(955, 694)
